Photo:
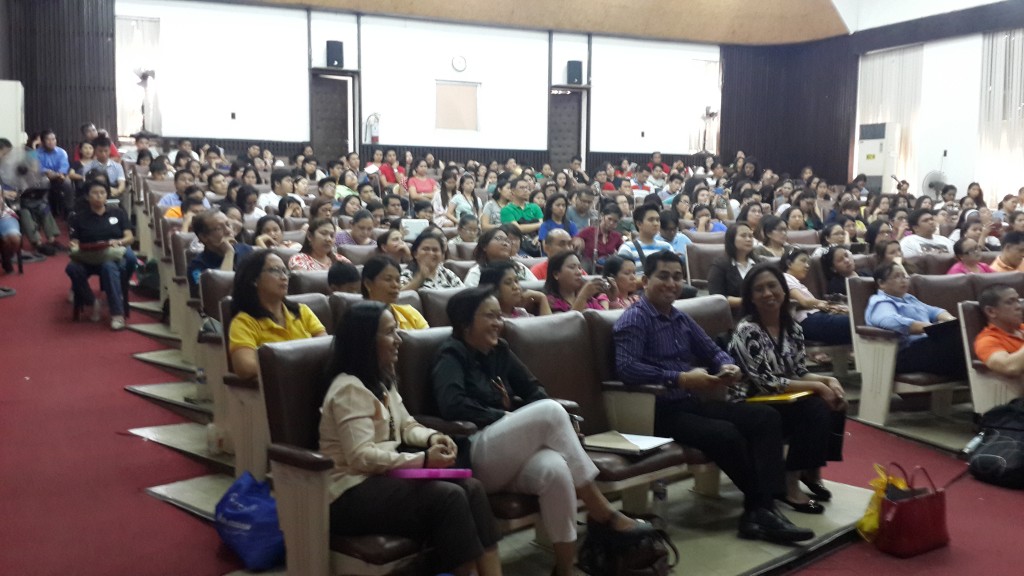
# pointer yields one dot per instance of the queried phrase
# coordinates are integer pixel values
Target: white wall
(219, 59)
(645, 95)
(326, 26)
(566, 47)
(950, 109)
(864, 14)
(403, 60)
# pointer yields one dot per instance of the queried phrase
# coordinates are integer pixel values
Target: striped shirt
(652, 348)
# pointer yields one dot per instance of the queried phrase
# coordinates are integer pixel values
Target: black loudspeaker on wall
(335, 54)
(574, 72)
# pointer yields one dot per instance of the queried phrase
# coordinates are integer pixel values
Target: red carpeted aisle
(71, 477)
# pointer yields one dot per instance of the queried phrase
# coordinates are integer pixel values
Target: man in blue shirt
(54, 165)
(114, 170)
(670, 233)
(220, 252)
(657, 344)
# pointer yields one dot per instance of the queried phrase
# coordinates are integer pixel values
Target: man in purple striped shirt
(657, 344)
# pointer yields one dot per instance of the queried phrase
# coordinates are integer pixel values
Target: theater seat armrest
(195, 303)
(166, 259)
(877, 333)
(449, 427)
(180, 280)
(233, 380)
(570, 406)
(299, 457)
(617, 386)
(210, 338)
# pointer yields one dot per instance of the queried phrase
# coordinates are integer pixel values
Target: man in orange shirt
(1011, 258)
(1000, 345)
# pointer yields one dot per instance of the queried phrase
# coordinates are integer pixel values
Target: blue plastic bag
(246, 519)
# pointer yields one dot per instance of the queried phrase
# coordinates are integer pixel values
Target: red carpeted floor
(71, 478)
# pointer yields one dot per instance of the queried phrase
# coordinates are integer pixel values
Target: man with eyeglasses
(925, 239)
(220, 251)
(1000, 345)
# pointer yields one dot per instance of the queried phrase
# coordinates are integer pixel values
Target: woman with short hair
(382, 282)
(427, 268)
(727, 272)
(531, 449)
(362, 424)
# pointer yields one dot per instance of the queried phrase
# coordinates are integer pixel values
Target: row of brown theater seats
(291, 373)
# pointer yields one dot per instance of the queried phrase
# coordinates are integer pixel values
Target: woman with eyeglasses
(774, 235)
(261, 313)
(495, 245)
(893, 309)
(528, 445)
(968, 255)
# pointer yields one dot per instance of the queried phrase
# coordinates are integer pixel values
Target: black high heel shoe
(809, 507)
(821, 494)
(604, 530)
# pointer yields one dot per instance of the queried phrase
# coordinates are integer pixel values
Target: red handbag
(912, 521)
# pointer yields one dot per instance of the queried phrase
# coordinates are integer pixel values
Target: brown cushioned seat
(1014, 280)
(308, 282)
(435, 304)
(358, 254)
(376, 549)
(291, 223)
(460, 267)
(512, 506)
(703, 237)
(463, 251)
(945, 291)
(616, 467)
(699, 258)
(803, 237)
(924, 378)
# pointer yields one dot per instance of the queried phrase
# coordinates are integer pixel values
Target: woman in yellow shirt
(261, 313)
(382, 282)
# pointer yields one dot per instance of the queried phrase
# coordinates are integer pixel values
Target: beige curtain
(137, 49)
(1001, 158)
(890, 91)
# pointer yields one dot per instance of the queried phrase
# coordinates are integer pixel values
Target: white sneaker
(117, 323)
(97, 310)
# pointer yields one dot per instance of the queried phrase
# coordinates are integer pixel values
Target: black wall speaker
(335, 54)
(574, 72)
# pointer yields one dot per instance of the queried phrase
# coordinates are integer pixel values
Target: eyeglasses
(277, 271)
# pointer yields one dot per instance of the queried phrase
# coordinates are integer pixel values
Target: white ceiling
(864, 14)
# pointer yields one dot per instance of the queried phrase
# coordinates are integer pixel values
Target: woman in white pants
(533, 450)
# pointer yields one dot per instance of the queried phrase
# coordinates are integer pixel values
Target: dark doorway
(329, 112)
(565, 112)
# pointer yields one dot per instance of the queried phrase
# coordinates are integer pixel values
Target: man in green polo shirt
(524, 215)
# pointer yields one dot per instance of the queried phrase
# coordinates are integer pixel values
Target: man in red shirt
(556, 242)
(601, 241)
(1000, 345)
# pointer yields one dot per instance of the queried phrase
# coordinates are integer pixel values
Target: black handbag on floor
(606, 552)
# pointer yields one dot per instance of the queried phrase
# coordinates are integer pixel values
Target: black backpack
(999, 459)
(605, 553)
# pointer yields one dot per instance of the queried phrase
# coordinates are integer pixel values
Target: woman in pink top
(968, 254)
(421, 186)
(318, 248)
(567, 289)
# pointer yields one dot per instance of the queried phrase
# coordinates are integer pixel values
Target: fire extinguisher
(372, 129)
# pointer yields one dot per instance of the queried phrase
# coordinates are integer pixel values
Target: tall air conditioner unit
(877, 152)
(12, 112)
